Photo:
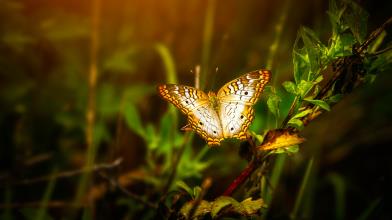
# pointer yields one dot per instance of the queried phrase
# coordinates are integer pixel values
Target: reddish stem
(240, 179)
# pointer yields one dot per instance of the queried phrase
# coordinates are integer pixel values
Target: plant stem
(241, 178)
(207, 38)
(298, 201)
(91, 105)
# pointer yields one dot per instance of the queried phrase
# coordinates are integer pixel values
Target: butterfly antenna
(213, 78)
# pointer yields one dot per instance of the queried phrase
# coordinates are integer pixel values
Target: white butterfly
(226, 114)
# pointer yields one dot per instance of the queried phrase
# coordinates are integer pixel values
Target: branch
(343, 66)
(71, 173)
(134, 196)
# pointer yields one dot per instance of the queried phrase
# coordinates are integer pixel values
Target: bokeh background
(62, 60)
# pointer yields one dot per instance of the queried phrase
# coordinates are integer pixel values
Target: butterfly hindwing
(205, 121)
(236, 100)
(235, 119)
(195, 104)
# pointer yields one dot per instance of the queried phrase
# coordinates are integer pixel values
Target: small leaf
(252, 207)
(280, 139)
(273, 104)
(220, 203)
(304, 87)
(319, 79)
(336, 98)
(293, 149)
(203, 208)
(132, 119)
(302, 113)
(296, 123)
(181, 184)
(121, 61)
(196, 191)
(290, 87)
(322, 104)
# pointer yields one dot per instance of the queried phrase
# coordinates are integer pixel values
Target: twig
(374, 35)
(178, 156)
(134, 196)
(71, 173)
(382, 51)
(241, 178)
(50, 204)
(291, 112)
(204, 188)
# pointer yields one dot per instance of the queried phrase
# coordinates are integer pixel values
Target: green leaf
(132, 119)
(293, 149)
(152, 138)
(181, 184)
(168, 61)
(251, 207)
(296, 123)
(137, 92)
(121, 61)
(335, 98)
(356, 19)
(300, 62)
(273, 104)
(302, 113)
(318, 79)
(315, 50)
(196, 191)
(322, 104)
(290, 87)
(220, 203)
(222, 206)
(304, 87)
(203, 208)
(108, 100)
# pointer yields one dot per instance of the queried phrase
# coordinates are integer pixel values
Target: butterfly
(225, 114)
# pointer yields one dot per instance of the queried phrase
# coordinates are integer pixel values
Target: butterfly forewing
(236, 99)
(245, 89)
(195, 104)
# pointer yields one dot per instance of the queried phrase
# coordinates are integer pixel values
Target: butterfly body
(225, 114)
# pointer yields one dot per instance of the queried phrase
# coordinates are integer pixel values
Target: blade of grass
(207, 38)
(41, 212)
(369, 210)
(274, 180)
(91, 108)
(301, 192)
(339, 187)
(168, 62)
(279, 27)
(171, 75)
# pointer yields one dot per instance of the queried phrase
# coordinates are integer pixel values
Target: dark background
(44, 67)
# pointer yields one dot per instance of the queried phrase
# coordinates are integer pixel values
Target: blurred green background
(50, 50)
